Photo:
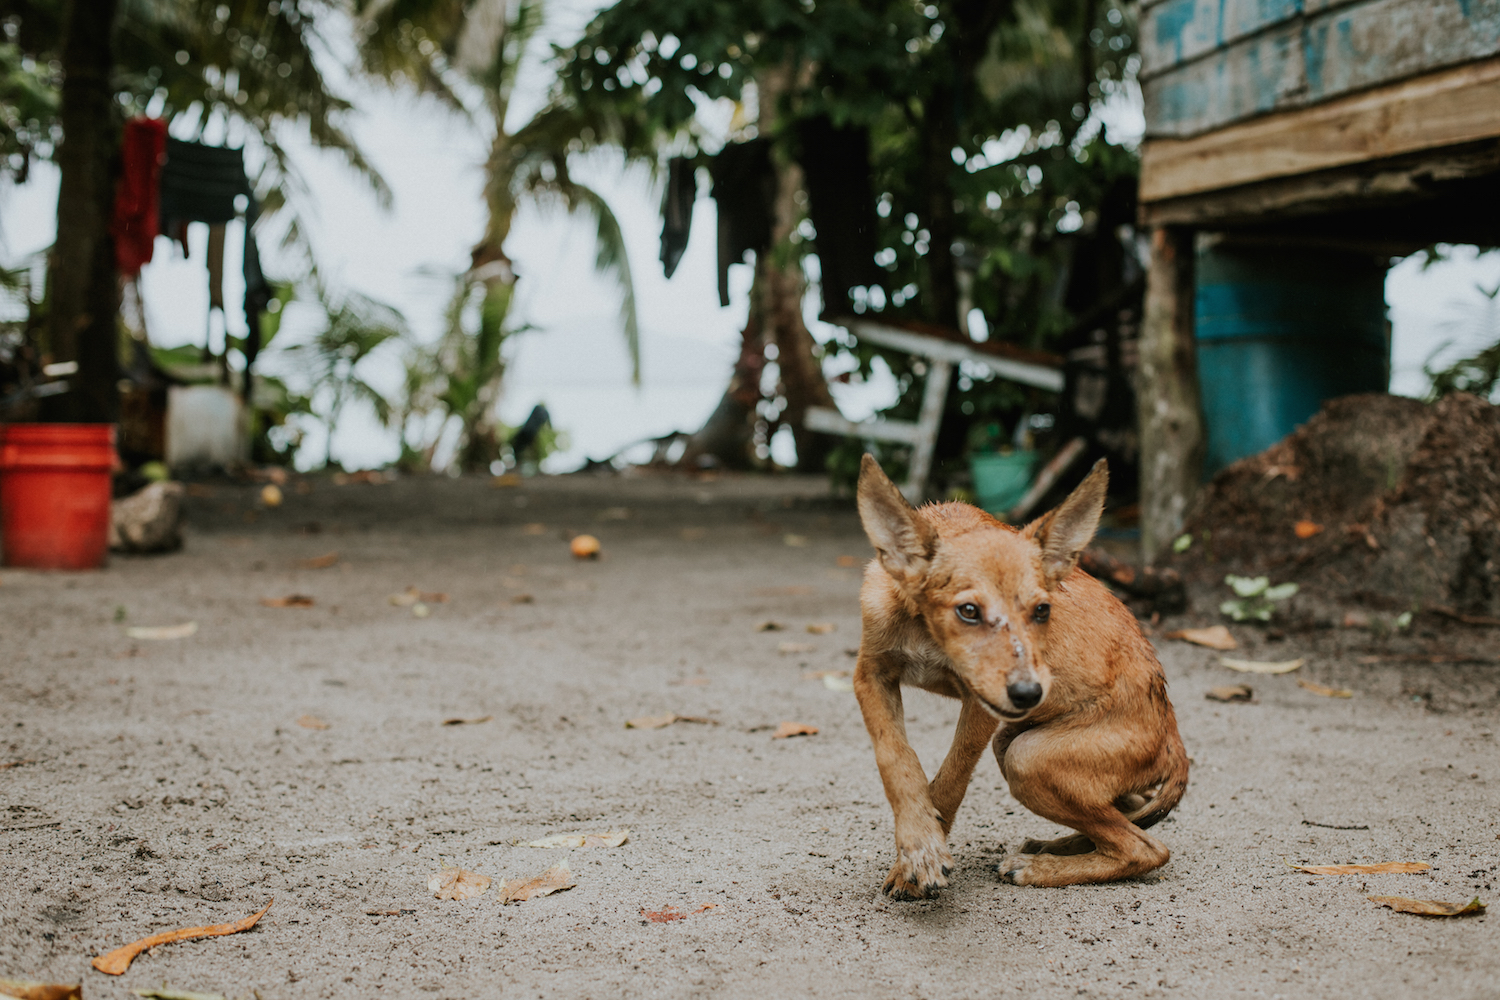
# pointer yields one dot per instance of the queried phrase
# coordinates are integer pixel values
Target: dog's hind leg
(1074, 844)
(976, 727)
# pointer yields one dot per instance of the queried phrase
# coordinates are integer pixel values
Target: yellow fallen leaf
(457, 883)
(1214, 637)
(22, 989)
(554, 879)
(1324, 689)
(169, 993)
(1230, 692)
(311, 722)
(822, 628)
(1430, 907)
(610, 838)
(789, 729)
(1384, 868)
(1262, 666)
(117, 961)
(162, 631)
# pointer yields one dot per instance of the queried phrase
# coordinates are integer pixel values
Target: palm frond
(612, 259)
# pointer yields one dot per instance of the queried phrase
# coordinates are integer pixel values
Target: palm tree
(467, 54)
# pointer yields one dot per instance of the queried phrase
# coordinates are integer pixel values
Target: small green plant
(1256, 598)
(1183, 543)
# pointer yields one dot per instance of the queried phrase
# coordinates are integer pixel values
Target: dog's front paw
(1013, 868)
(919, 872)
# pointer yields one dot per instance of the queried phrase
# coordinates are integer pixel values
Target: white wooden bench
(940, 355)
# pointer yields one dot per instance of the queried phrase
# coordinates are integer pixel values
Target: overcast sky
(575, 360)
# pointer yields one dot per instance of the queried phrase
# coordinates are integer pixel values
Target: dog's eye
(969, 613)
(1041, 613)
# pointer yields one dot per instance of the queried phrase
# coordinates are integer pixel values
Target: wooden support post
(934, 395)
(1171, 421)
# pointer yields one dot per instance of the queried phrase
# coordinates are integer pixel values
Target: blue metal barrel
(1279, 330)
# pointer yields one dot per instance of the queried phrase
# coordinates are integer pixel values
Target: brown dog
(962, 605)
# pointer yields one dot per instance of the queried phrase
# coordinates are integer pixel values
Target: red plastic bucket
(55, 493)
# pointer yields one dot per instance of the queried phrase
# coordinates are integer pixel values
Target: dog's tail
(1169, 793)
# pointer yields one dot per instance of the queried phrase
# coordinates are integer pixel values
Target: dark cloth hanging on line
(745, 189)
(841, 203)
(258, 294)
(137, 192)
(215, 256)
(200, 183)
(677, 211)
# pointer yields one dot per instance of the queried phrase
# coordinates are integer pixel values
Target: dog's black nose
(1024, 694)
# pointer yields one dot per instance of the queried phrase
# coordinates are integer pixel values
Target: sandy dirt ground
(157, 784)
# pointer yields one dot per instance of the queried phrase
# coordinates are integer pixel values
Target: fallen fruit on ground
(311, 722)
(117, 961)
(789, 729)
(610, 838)
(1214, 637)
(1384, 868)
(1230, 692)
(270, 495)
(162, 631)
(554, 879)
(1306, 529)
(1323, 689)
(584, 547)
(1262, 666)
(289, 601)
(1430, 907)
(457, 883)
(22, 989)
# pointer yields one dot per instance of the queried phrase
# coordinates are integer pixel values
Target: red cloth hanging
(137, 193)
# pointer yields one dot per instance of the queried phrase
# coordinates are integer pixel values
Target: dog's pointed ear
(1065, 532)
(903, 541)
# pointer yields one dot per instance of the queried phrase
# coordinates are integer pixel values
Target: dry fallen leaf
(1262, 666)
(795, 541)
(467, 722)
(412, 596)
(1323, 689)
(523, 599)
(1214, 637)
(1384, 868)
(770, 627)
(289, 601)
(162, 631)
(822, 628)
(1430, 907)
(838, 684)
(168, 993)
(1230, 692)
(508, 480)
(689, 682)
(693, 534)
(788, 729)
(795, 590)
(117, 961)
(457, 883)
(22, 989)
(664, 916)
(312, 722)
(554, 879)
(791, 648)
(847, 562)
(660, 721)
(535, 528)
(615, 514)
(323, 561)
(610, 838)
(1306, 529)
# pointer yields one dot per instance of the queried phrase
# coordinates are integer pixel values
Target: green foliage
(1256, 599)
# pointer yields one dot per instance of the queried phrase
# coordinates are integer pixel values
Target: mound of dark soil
(1400, 504)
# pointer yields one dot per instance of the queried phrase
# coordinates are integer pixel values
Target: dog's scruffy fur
(1050, 668)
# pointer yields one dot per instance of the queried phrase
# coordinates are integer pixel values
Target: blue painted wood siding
(1207, 63)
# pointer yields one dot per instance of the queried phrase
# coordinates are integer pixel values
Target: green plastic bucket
(1001, 480)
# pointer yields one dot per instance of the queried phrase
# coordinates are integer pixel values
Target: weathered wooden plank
(1176, 31)
(1446, 108)
(1310, 57)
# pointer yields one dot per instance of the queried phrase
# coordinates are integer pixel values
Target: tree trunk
(1171, 424)
(728, 435)
(85, 297)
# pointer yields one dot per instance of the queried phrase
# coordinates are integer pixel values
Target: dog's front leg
(922, 858)
(975, 728)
